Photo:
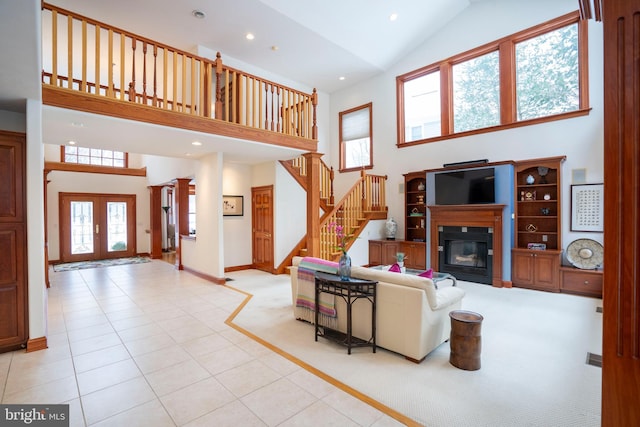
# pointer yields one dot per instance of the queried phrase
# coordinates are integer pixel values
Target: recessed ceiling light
(197, 143)
(77, 124)
(341, 78)
(198, 14)
(274, 48)
(393, 17)
(72, 143)
(250, 36)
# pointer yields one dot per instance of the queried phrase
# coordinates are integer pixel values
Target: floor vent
(598, 309)
(594, 360)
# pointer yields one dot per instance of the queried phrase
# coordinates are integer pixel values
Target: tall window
(93, 156)
(356, 139)
(539, 74)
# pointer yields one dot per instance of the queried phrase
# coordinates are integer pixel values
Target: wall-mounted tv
(465, 187)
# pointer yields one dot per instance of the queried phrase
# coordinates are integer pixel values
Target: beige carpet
(534, 349)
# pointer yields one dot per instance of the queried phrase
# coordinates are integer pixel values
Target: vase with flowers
(344, 263)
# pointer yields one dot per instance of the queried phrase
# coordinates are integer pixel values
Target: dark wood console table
(350, 291)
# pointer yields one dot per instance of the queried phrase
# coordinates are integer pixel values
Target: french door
(97, 226)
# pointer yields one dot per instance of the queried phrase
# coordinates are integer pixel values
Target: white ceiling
(316, 43)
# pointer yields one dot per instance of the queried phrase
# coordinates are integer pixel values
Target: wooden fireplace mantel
(470, 216)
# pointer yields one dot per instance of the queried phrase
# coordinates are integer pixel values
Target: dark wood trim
(621, 286)
(208, 277)
(36, 344)
(74, 100)
(238, 268)
(521, 123)
(156, 213)
(75, 167)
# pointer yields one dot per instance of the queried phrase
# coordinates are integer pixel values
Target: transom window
(356, 139)
(536, 75)
(93, 156)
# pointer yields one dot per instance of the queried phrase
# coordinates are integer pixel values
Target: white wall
(206, 255)
(580, 139)
(237, 230)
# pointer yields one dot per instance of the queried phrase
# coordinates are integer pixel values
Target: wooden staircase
(365, 201)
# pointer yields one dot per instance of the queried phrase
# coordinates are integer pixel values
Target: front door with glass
(96, 226)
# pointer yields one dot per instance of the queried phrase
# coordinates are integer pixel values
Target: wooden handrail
(164, 77)
(366, 196)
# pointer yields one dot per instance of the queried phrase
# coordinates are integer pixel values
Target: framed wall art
(232, 205)
(587, 207)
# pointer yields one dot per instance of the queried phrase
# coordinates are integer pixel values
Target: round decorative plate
(586, 254)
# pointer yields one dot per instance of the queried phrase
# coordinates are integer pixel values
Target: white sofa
(412, 315)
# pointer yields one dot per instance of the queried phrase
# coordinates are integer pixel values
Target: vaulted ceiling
(312, 43)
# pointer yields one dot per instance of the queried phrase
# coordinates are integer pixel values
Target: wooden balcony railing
(90, 57)
(366, 198)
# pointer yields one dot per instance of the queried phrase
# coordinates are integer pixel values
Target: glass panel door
(116, 226)
(97, 226)
(82, 228)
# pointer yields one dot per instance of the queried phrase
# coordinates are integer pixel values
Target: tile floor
(147, 345)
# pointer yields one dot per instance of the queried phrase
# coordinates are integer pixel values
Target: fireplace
(466, 253)
(472, 217)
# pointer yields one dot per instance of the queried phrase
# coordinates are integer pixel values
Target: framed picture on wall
(232, 205)
(587, 207)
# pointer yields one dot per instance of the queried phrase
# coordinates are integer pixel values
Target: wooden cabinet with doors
(13, 242)
(538, 224)
(383, 252)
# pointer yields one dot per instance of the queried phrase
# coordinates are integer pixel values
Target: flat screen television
(465, 187)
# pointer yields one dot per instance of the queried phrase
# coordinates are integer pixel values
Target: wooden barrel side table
(465, 339)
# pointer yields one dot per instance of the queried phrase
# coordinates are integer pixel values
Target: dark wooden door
(621, 290)
(97, 226)
(13, 243)
(262, 218)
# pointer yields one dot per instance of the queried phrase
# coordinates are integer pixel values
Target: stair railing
(366, 197)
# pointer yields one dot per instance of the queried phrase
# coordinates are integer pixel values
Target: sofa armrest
(446, 297)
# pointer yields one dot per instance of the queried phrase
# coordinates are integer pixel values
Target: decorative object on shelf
(421, 186)
(545, 211)
(529, 195)
(543, 171)
(586, 254)
(530, 179)
(391, 227)
(537, 246)
(415, 212)
(420, 199)
(587, 207)
(547, 196)
(344, 266)
(532, 228)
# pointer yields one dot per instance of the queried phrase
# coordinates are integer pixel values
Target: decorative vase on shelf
(421, 186)
(391, 227)
(344, 266)
(530, 179)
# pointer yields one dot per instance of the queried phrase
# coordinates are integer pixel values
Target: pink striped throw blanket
(305, 298)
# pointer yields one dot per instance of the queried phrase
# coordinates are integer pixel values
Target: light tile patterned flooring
(147, 345)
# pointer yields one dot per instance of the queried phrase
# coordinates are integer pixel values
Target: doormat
(100, 263)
